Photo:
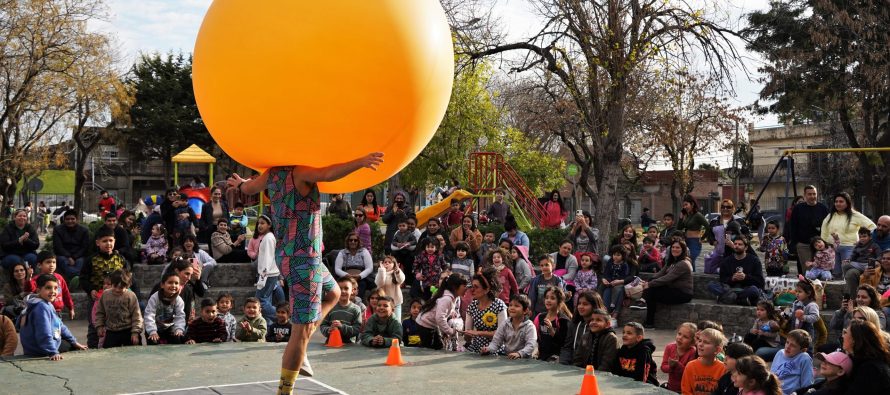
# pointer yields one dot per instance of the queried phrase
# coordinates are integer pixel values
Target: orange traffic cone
(334, 338)
(395, 354)
(589, 385)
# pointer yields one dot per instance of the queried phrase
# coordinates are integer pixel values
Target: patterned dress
(297, 227)
(486, 321)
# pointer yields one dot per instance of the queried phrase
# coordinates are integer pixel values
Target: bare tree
(39, 44)
(589, 50)
(685, 117)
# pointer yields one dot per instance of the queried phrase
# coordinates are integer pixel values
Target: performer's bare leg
(295, 351)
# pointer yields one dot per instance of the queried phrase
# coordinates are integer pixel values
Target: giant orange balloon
(316, 83)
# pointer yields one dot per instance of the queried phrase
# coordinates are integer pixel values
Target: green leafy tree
(474, 123)
(164, 115)
(585, 55)
(828, 60)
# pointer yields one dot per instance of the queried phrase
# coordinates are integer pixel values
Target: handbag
(634, 290)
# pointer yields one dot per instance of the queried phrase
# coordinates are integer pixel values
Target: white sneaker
(306, 368)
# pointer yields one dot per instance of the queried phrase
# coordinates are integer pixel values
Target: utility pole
(735, 165)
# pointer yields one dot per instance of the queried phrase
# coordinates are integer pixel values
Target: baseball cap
(837, 358)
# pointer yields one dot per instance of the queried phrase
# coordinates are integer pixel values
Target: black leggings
(665, 295)
(429, 338)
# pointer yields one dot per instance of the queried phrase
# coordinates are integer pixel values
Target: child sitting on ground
(835, 368)
(252, 327)
(734, 352)
(409, 325)
(382, 327)
(345, 316)
(792, 365)
(390, 278)
(635, 355)
(223, 310)
(823, 258)
(279, 330)
(118, 315)
(752, 377)
(701, 375)
(518, 336)
(9, 339)
(46, 264)
(552, 326)
(590, 339)
(678, 354)
(43, 334)
(708, 324)
(165, 313)
(371, 309)
(155, 251)
(208, 327)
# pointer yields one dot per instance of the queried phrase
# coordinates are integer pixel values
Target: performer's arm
(338, 171)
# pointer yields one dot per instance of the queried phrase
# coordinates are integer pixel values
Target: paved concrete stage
(352, 369)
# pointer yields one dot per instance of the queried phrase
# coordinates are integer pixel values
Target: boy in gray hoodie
(518, 337)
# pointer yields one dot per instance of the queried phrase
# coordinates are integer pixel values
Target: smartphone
(579, 212)
(846, 296)
(871, 263)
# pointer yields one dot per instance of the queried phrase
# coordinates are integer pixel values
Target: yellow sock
(286, 385)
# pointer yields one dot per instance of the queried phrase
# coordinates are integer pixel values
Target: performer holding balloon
(296, 212)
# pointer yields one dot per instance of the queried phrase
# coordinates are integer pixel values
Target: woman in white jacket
(268, 286)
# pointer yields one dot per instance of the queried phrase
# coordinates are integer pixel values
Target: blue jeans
(12, 259)
(749, 294)
(817, 273)
(67, 270)
(271, 292)
(694, 245)
(840, 254)
(613, 297)
(767, 353)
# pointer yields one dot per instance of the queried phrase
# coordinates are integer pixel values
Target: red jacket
(63, 299)
(106, 206)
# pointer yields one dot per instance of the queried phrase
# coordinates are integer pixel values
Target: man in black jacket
(70, 244)
(805, 223)
(742, 273)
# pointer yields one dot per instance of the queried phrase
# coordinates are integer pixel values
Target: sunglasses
(359, 215)
(352, 240)
(726, 207)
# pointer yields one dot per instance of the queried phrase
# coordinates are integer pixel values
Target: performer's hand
(370, 161)
(234, 180)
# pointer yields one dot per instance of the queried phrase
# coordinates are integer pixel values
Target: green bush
(497, 229)
(545, 241)
(336, 229)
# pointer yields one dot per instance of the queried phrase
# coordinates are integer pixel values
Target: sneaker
(306, 368)
(638, 305)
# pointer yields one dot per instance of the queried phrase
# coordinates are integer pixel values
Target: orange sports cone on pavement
(589, 385)
(334, 338)
(395, 354)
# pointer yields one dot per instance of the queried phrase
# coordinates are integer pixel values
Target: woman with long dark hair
(486, 312)
(871, 358)
(369, 206)
(211, 212)
(467, 233)
(692, 222)
(356, 262)
(363, 229)
(844, 221)
(671, 285)
(554, 211)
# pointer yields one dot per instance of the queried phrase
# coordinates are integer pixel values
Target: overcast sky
(144, 26)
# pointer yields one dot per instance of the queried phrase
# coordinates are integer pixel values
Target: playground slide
(439, 208)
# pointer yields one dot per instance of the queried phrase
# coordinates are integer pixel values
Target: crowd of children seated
(485, 296)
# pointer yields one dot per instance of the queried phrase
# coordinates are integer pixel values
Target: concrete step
(735, 319)
(223, 275)
(83, 307)
(834, 290)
